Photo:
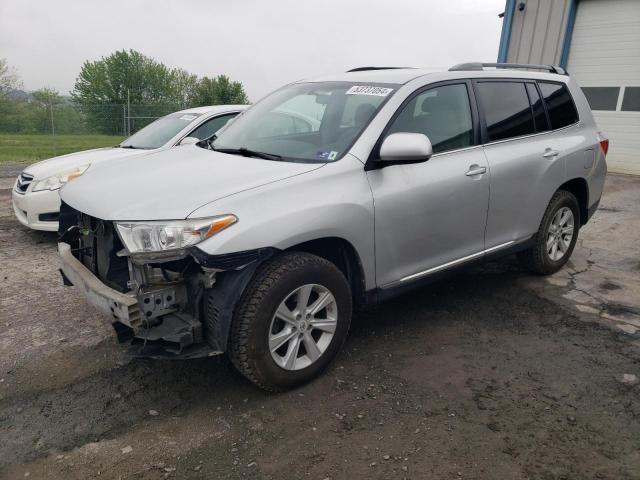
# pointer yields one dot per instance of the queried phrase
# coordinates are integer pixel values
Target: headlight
(56, 181)
(146, 237)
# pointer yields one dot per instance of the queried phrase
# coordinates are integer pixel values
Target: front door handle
(475, 170)
(550, 153)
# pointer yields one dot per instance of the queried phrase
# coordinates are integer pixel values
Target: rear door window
(562, 111)
(506, 109)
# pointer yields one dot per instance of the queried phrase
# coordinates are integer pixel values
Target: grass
(18, 148)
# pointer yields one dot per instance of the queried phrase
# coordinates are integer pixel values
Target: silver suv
(327, 195)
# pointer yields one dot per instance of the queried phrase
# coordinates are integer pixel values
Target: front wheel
(291, 321)
(556, 236)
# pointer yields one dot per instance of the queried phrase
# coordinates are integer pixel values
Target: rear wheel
(556, 237)
(291, 321)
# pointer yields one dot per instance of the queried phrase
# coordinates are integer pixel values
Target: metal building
(598, 43)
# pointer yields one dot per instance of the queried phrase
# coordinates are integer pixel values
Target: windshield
(305, 121)
(156, 134)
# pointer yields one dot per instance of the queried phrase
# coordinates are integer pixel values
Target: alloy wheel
(302, 327)
(560, 234)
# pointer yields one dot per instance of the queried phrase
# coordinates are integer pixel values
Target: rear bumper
(28, 207)
(119, 306)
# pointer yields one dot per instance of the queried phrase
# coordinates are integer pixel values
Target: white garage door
(604, 58)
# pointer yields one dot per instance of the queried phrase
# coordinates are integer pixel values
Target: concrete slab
(603, 275)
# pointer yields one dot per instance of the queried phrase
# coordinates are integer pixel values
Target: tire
(280, 284)
(542, 260)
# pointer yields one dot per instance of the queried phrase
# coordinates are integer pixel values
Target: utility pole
(124, 120)
(53, 131)
(128, 115)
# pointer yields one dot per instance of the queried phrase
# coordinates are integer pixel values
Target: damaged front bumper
(164, 306)
(173, 334)
(120, 306)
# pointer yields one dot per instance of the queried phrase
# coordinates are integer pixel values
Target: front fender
(333, 201)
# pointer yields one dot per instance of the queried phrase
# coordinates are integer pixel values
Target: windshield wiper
(248, 153)
(127, 146)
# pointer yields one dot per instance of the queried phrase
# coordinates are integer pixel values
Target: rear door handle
(476, 170)
(550, 153)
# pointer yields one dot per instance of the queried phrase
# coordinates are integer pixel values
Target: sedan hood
(55, 165)
(171, 184)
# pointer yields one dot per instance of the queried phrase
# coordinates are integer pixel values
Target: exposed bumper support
(121, 307)
(177, 336)
(197, 328)
(174, 336)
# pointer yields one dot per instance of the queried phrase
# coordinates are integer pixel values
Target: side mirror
(189, 140)
(406, 147)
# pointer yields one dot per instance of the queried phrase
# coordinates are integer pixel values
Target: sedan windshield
(156, 134)
(316, 122)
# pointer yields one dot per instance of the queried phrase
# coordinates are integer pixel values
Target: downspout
(568, 31)
(505, 36)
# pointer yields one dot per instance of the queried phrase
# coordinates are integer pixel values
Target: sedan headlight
(56, 181)
(160, 236)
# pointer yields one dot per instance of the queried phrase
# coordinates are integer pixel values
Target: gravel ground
(491, 374)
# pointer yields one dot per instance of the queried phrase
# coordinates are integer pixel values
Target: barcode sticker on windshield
(368, 90)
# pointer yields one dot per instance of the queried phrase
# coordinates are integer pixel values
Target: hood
(171, 184)
(54, 165)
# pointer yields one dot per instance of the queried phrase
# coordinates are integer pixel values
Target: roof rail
(364, 69)
(482, 66)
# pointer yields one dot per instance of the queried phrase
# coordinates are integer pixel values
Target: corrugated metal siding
(537, 32)
(605, 52)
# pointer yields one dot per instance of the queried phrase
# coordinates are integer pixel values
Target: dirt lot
(493, 374)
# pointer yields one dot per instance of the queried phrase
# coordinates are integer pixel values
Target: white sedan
(36, 200)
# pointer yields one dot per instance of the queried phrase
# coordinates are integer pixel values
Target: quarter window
(562, 111)
(506, 109)
(442, 113)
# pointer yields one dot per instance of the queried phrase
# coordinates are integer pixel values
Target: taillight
(604, 145)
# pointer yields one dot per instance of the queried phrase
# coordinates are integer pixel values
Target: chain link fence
(67, 118)
(114, 119)
(31, 131)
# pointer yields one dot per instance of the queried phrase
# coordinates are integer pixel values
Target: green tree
(11, 111)
(8, 78)
(41, 109)
(46, 97)
(219, 91)
(49, 110)
(105, 85)
(184, 86)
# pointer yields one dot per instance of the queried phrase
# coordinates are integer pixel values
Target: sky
(262, 43)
